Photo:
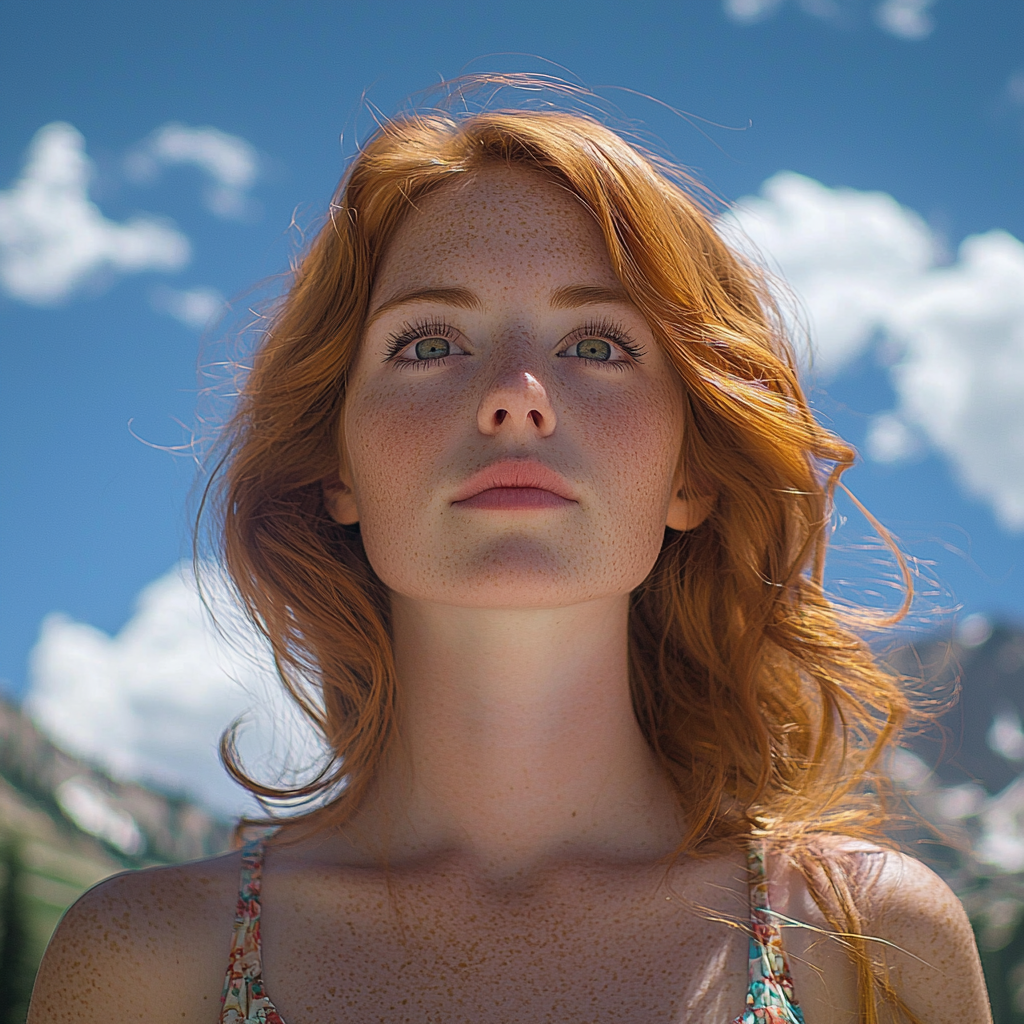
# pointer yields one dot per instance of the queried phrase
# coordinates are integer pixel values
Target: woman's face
(512, 430)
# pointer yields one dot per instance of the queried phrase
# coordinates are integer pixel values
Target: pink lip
(514, 485)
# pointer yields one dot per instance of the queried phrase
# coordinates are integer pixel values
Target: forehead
(495, 225)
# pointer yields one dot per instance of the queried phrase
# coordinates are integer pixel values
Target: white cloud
(862, 267)
(850, 256)
(889, 439)
(194, 307)
(747, 11)
(908, 19)
(151, 702)
(961, 379)
(231, 163)
(1015, 89)
(53, 239)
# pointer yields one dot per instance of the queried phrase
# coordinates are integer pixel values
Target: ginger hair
(766, 708)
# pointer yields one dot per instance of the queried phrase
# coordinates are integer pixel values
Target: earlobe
(687, 513)
(339, 500)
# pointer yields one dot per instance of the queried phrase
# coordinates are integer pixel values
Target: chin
(518, 573)
(517, 595)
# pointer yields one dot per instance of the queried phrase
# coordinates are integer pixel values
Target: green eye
(594, 348)
(432, 348)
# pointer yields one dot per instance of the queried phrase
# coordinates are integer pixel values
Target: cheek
(631, 443)
(637, 438)
(401, 451)
(393, 441)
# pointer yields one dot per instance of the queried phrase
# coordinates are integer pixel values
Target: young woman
(524, 492)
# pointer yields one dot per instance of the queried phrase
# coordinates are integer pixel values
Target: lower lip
(515, 498)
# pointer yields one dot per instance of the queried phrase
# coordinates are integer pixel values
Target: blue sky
(923, 102)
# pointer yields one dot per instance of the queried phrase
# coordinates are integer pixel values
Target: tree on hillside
(17, 968)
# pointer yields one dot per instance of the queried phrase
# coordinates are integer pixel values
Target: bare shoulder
(150, 944)
(916, 925)
(934, 957)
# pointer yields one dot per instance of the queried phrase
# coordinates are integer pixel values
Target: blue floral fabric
(770, 998)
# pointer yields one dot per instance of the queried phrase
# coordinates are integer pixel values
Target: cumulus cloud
(850, 256)
(53, 238)
(151, 702)
(962, 376)
(906, 19)
(890, 440)
(748, 11)
(1015, 89)
(864, 267)
(194, 307)
(231, 164)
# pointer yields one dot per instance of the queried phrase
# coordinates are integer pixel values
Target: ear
(685, 512)
(340, 500)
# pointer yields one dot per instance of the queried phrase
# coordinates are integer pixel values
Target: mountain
(64, 826)
(964, 773)
(981, 732)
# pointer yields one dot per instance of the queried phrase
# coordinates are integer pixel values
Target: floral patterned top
(770, 998)
(770, 995)
(243, 1000)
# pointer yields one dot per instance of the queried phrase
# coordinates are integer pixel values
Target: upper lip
(515, 473)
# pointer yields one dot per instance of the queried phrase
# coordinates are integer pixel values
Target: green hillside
(64, 826)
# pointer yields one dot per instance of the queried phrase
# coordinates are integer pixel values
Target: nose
(518, 404)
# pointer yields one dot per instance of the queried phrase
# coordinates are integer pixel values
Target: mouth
(515, 486)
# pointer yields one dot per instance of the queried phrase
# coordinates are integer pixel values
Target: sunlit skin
(511, 864)
(530, 266)
(510, 622)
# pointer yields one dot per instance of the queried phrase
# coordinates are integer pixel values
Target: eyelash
(412, 333)
(608, 331)
(437, 328)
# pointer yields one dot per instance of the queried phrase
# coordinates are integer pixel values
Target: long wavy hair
(757, 694)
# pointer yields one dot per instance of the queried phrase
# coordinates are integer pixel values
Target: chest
(576, 948)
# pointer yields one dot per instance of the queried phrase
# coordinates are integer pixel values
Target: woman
(524, 492)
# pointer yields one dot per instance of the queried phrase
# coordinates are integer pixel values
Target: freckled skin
(346, 944)
(413, 434)
(509, 864)
(576, 943)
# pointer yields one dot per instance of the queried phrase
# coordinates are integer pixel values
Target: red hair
(763, 705)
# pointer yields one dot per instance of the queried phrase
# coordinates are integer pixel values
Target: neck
(517, 743)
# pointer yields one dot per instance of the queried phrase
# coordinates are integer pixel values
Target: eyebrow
(568, 297)
(575, 295)
(462, 298)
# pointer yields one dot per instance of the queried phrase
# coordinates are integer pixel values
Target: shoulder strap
(771, 987)
(243, 999)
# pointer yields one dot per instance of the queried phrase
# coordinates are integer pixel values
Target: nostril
(536, 417)
(499, 416)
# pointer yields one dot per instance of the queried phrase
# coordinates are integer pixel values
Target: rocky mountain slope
(965, 772)
(64, 826)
